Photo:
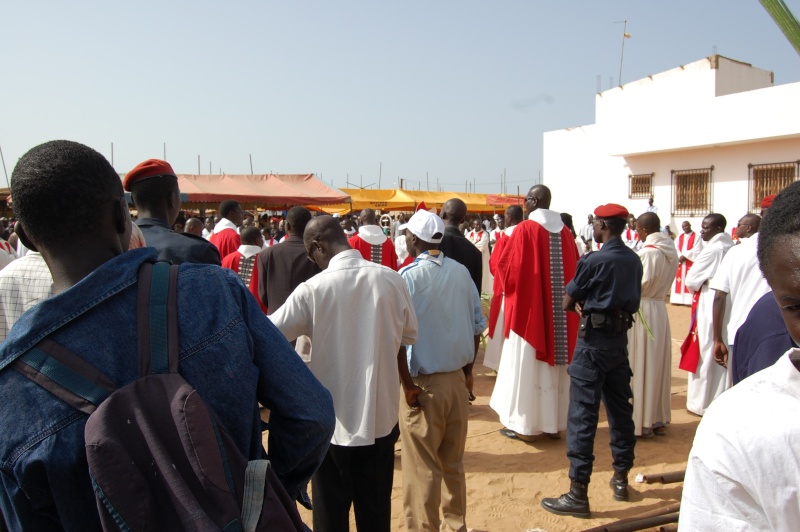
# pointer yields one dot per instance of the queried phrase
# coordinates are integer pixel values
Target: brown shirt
(281, 268)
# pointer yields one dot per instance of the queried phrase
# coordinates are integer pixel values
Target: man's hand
(470, 382)
(721, 353)
(681, 259)
(412, 397)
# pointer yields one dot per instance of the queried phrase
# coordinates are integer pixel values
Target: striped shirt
(23, 283)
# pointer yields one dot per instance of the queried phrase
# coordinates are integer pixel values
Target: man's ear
(120, 215)
(23, 236)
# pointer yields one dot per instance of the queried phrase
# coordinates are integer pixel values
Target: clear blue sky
(459, 89)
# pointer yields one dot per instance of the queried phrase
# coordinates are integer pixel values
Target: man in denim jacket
(229, 352)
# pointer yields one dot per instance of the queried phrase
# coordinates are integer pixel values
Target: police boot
(574, 503)
(619, 485)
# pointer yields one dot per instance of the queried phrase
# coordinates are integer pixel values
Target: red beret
(146, 170)
(611, 210)
(766, 203)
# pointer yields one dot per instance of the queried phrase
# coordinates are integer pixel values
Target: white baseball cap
(498, 217)
(425, 225)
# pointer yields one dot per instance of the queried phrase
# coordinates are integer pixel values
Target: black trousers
(361, 476)
(595, 375)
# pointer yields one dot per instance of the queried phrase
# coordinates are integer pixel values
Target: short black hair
(250, 235)
(615, 225)
(62, 176)
(227, 207)
(717, 219)
(781, 220)
(152, 193)
(298, 218)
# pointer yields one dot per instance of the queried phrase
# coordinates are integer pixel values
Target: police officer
(605, 292)
(154, 188)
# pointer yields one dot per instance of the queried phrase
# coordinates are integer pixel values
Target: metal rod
(198, 165)
(112, 154)
(8, 184)
(622, 53)
(165, 151)
(251, 163)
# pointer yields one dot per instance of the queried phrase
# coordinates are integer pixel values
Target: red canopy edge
(269, 189)
(504, 199)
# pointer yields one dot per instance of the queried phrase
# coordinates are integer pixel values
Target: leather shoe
(508, 433)
(619, 485)
(574, 503)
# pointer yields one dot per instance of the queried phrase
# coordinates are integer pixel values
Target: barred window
(640, 186)
(766, 179)
(691, 192)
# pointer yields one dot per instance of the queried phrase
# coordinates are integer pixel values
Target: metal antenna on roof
(251, 163)
(625, 35)
(4, 167)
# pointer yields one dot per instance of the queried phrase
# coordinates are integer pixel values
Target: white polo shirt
(357, 315)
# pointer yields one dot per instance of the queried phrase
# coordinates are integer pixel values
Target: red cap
(146, 170)
(421, 206)
(766, 203)
(611, 210)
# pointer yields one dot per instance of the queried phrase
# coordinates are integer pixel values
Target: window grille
(691, 192)
(640, 186)
(766, 179)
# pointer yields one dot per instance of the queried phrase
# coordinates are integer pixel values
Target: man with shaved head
(650, 357)
(738, 278)
(372, 243)
(455, 245)
(531, 394)
(706, 378)
(361, 363)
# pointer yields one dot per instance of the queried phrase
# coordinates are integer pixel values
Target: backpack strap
(157, 318)
(82, 386)
(64, 374)
(254, 484)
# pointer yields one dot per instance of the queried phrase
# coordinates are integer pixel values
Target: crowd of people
(576, 319)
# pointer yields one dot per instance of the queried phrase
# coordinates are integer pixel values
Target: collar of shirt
(550, 220)
(434, 255)
(153, 221)
(372, 234)
(248, 251)
(224, 224)
(338, 259)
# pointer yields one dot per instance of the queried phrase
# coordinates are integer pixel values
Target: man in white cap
(435, 406)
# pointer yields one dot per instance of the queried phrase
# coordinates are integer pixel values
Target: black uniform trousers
(361, 476)
(595, 375)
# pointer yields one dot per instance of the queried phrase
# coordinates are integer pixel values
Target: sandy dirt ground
(506, 479)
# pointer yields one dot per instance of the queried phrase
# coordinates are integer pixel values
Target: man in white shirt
(743, 467)
(359, 362)
(23, 283)
(586, 234)
(738, 285)
(707, 379)
(650, 207)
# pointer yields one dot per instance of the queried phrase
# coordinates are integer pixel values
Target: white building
(711, 136)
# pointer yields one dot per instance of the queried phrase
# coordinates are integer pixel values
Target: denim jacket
(229, 352)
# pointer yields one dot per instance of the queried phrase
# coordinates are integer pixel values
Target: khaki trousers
(433, 442)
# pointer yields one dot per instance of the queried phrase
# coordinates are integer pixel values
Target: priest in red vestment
(243, 261)
(226, 232)
(688, 245)
(531, 395)
(372, 243)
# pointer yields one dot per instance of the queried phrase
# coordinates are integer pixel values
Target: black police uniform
(177, 247)
(609, 285)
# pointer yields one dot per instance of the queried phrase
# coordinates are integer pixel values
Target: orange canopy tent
(504, 200)
(276, 190)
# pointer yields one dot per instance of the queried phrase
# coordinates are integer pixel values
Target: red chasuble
(243, 269)
(525, 269)
(388, 257)
(227, 242)
(497, 286)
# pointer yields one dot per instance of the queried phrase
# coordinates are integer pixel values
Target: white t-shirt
(745, 461)
(356, 360)
(740, 277)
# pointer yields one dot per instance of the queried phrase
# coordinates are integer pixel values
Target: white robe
(651, 358)
(711, 379)
(481, 241)
(531, 396)
(685, 298)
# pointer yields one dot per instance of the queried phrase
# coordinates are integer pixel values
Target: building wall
(675, 121)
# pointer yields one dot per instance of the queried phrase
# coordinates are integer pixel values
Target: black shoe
(619, 485)
(574, 503)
